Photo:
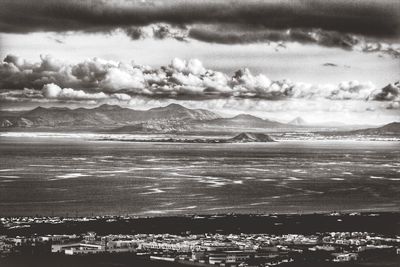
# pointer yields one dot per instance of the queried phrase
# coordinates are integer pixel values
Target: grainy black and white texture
(172, 107)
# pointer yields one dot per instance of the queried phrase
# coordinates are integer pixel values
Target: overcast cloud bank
(363, 25)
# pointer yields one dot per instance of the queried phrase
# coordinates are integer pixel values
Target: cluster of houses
(26, 222)
(213, 249)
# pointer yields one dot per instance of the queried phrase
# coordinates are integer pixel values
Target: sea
(64, 176)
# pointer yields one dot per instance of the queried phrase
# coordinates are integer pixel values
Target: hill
(250, 137)
(388, 129)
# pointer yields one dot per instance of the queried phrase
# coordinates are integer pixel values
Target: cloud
(329, 64)
(158, 31)
(163, 31)
(20, 95)
(387, 93)
(119, 78)
(17, 73)
(394, 105)
(367, 17)
(278, 38)
(193, 66)
(135, 33)
(390, 93)
(234, 34)
(100, 79)
(53, 91)
(364, 25)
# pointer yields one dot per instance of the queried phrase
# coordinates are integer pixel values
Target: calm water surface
(76, 177)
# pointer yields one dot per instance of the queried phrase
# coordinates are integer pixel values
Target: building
(60, 248)
(342, 257)
(229, 257)
(84, 249)
(77, 248)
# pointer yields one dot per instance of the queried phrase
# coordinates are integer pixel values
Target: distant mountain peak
(246, 117)
(170, 107)
(298, 121)
(39, 108)
(175, 106)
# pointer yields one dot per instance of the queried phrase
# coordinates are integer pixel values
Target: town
(201, 249)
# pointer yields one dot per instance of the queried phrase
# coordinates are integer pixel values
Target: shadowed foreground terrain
(380, 223)
(130, 260)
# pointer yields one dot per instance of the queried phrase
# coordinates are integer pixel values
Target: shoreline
(216, 138)
(217, 223)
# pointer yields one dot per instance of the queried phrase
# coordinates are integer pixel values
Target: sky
(321, 60)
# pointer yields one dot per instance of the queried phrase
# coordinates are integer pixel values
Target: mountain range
(102, 116)
(171, 118)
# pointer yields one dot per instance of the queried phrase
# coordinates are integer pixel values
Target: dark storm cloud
(229, 34)
(389, 92)
(240, 34)
(135, 33)
(365, 17)
(246, 34)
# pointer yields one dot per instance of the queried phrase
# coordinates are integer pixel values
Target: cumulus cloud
(163, 31)
(117, 78)
(18, 73)
(394, 105)
(100, 79)
(53, 91)
(158, 31)
(390, 93)
(193, 66)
